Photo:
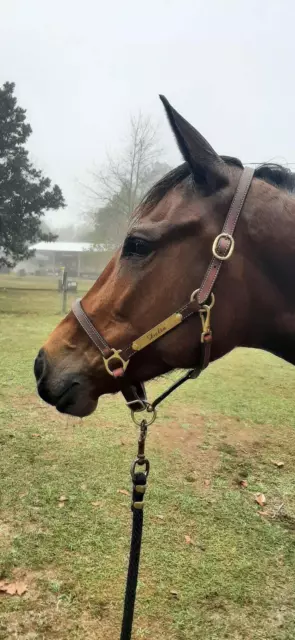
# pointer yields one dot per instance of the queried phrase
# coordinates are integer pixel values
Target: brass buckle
(226, 236)
(115, 356)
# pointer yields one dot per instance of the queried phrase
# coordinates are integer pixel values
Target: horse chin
(80, 408)
(76, 404)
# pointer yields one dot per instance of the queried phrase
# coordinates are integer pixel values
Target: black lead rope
(190, 375)
(139, 479)
(134, 557)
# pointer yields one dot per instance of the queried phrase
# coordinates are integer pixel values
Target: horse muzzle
(70, 393)
(74, 393)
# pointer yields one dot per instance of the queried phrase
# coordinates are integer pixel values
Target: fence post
(64, 289)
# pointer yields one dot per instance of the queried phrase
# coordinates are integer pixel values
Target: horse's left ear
(208, 168)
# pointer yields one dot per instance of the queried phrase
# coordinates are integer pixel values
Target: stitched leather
(229, 228)
(90, 329)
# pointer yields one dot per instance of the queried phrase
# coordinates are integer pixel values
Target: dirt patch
(187, 431)
(25, 400)
(190, 440)
(6, 535)
(5, 531)
(175, 435)
(34, 580)
(203, 442)
(32, 527)
(236, 433)
(53, 617)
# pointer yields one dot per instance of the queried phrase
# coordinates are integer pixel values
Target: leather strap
(134, 394)
(90, 329)
(228, 229)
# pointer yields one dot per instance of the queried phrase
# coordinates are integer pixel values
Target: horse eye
(136, 247)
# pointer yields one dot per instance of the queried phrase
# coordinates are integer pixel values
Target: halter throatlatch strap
(201, 301)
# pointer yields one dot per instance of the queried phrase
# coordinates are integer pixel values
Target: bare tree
(120, 185)
(127, 174)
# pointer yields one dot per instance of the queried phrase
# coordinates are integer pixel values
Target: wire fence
(38, 294)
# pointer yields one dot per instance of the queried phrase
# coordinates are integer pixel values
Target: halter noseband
(201, 301)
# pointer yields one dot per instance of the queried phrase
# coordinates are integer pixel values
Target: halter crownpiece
(201, 301)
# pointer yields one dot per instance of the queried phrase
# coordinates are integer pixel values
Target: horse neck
(272, 239)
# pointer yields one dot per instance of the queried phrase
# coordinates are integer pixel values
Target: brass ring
(194, 295)
(212, 302)
(137, 416)
(207, 306)
(226, 236)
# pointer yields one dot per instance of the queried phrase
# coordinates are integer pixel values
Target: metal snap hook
(144, 467)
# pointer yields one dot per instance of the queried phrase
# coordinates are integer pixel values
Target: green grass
(35, 294)
(236, 581)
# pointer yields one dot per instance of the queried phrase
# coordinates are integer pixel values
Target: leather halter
(201, 301)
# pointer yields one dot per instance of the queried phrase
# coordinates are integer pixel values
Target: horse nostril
(39, 365)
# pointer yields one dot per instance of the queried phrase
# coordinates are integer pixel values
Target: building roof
(71, 247)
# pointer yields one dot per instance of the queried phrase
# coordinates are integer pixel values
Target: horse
(160, 269)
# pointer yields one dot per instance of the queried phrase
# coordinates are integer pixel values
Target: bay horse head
(164, 258)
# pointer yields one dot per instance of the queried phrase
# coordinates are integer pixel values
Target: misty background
(83, 69)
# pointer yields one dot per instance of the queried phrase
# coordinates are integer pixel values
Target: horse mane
(275, 174)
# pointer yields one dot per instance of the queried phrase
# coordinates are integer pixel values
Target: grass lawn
(235, 580)
(34, 294)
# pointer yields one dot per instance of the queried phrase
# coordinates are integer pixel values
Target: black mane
(275, 174)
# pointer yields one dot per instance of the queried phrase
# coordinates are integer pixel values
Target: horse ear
(208, 169)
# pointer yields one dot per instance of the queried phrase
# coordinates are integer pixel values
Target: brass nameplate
(157, 332)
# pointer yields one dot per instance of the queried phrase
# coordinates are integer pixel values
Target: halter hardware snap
(115, 356)
(225, 236)
(205, 314)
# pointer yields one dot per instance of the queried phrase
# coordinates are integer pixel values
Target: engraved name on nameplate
(157, 331)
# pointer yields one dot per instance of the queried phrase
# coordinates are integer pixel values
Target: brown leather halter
(201, 301)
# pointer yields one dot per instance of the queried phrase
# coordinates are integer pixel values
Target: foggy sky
(81, 68)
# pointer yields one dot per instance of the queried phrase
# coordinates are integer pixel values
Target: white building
(78, 258)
